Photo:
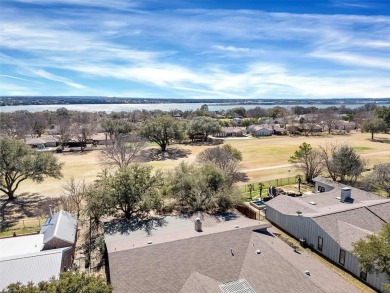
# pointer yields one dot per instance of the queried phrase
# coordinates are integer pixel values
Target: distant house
(331, 220)
(35, 142)
(42, 142)
(266, 130)
(227, 253)
(261, 131)
(101, 139)
(230, 132)
(39, 257)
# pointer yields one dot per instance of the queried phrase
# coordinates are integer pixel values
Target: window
(320, 243)
(342, 257)
(363, 275)
(321, 188)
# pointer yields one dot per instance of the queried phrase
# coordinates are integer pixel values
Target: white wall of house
(301, 227)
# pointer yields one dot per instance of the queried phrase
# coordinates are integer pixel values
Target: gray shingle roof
(35, 267)
(62, 226)
(348, 227)
(381, 210)
(200, 264)
(328, 202)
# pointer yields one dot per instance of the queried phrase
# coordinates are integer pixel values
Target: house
(32, 267)
(39, 257)
(35, 142)
(331, 220)
(101, 139)
(59, 231)
(230, 132)
(203, 253)
(266, 130)
(261, 131)
(42, 142)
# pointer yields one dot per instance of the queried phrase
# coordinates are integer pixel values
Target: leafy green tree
(342, 163)
(373, 253)
(163, 130)
(134, 190)
(18, 162)
(384, 113)
(204, 126)
(116, 127)
(307, 160)
(373, 126)
(225, 158)
(97, 203)
(201, 188)
(380, 177)
(38, 123)
(68, 282)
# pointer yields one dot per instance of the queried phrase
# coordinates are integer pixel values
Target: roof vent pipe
(345, 194)
(198, 225)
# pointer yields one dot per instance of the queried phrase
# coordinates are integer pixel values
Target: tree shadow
(26, 205)
(381, 140)
(150, 155)
(125, 226)
(241, 177)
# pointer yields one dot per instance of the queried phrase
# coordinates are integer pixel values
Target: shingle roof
(124, 235)
(328, 202)
(34, 267)
(62, 226)
(348, 227)
(200, 264)
(382, 210)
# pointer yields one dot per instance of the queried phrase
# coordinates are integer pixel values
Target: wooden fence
(247, 211)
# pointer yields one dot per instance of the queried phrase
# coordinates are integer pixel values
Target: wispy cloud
(50, 76)
(19, 78)
(352, 4)
(214, 53)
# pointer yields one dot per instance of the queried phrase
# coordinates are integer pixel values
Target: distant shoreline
(6, 101)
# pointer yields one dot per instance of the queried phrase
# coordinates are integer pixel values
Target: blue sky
(196, 49)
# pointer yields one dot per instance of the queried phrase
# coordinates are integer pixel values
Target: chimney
(198, 225)
(50, 211)
(345, 194)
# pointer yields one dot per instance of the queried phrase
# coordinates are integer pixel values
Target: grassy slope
(258, 154)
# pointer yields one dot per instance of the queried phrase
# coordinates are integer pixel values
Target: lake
(164, 107)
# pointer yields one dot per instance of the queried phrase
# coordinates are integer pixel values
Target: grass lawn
(263, 158)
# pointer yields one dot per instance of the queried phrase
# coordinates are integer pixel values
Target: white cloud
(50, 76)
(169, 51)
(231, 48)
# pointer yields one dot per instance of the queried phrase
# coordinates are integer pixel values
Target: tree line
(162, 127)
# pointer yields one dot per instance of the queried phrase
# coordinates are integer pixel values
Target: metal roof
(62, 226)
(20, 245)
(35, 267)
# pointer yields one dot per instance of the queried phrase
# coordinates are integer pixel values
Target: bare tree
(84, 125)
(329, 118)
(123, 151)
(380, 177)
(64, 127)
(74, 192)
